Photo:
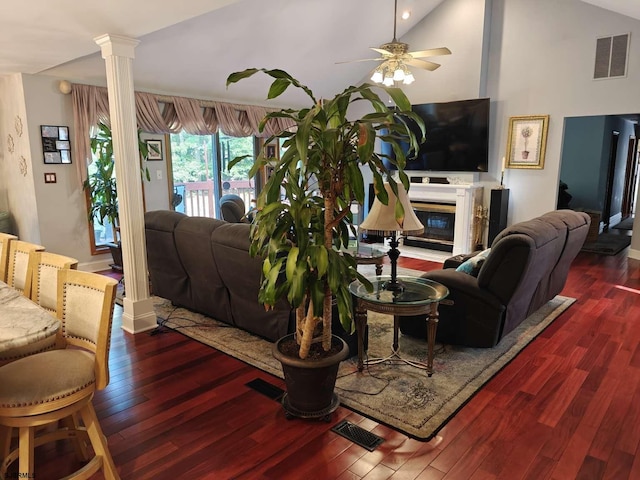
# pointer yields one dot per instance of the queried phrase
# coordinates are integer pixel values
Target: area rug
(608, 244)
(397, 395)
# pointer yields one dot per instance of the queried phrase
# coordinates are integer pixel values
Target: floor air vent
(358, 435)
(265, 388)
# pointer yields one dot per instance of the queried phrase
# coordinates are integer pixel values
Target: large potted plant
(303, 221)
(101, 186)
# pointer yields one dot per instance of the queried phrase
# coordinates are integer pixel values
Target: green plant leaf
(237, 76)
(278, 87)
(292, 262)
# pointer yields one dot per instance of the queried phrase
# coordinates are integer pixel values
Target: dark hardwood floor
(567, 407)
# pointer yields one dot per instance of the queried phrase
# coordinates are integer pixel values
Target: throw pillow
(474, 264)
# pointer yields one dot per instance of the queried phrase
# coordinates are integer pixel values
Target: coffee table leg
(361, 326)
(432, 327)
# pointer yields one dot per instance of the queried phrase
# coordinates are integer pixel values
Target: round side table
(419, 296)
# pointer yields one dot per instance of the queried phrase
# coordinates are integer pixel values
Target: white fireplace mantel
(464, 196)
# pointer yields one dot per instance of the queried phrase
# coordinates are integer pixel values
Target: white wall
(156, 190)
(61, 207)
(542, 62)
(458, 25)
(16, 173)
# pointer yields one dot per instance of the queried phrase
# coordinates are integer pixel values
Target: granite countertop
(21, 321)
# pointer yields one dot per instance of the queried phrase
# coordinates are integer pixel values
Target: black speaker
(498, 213)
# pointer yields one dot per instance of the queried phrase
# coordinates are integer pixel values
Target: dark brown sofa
(203, 264)
(526, 267)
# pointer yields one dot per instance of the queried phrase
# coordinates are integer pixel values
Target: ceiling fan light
(409, 78)
(388, 79)
(398, 75)
(377, 76)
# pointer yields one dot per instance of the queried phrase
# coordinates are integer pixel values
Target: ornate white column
(117, 52)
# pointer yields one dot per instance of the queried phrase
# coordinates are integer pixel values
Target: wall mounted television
(457, 138)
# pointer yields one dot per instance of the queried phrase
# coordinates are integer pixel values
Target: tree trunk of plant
(308, 328)
(329, 208)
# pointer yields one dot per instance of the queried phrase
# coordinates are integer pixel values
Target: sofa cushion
(208, 291)
(168, 276)
(241, 274)
(473, 265)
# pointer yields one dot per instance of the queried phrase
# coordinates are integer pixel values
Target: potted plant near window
(303, 221)
(101, 186)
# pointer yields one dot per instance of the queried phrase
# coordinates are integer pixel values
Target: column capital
(118, 45)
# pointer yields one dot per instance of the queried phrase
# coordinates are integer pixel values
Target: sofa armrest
(469, 316)
(463, 286)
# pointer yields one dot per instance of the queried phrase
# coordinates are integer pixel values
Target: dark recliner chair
(527, 266)
(232, 209)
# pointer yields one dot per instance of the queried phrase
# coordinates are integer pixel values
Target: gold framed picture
(527, 141)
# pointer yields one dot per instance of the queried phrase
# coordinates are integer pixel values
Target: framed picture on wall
(527, 141)
(56, 147)
(271, 151)
(155, 150)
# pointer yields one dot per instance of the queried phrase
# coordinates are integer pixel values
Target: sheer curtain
(164, 114)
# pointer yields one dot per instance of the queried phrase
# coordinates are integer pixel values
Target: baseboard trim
(96, 266)
(633, 253)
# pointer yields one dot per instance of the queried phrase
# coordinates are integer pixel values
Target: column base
(138, 316)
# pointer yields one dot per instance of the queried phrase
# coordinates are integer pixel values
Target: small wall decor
(22, 164)
(527, 141)
(18, 125)
(56, 146)
(50, 178)
(11, 146)
(155, 150)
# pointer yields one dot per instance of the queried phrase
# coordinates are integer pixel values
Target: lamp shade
(381, 219)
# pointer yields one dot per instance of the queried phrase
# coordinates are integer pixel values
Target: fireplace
(464, 198)
(439, 226)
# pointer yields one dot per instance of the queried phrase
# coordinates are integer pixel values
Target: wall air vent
(611, 56)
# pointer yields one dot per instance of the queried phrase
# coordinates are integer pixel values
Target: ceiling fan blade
(381, 51)
(362, 60)
(425, 64)
(432, 52)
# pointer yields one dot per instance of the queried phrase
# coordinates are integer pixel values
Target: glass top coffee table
(419, 296)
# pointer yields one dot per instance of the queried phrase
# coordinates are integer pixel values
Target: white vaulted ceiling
(189, 47)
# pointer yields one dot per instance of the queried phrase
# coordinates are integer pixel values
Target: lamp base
(394, 285)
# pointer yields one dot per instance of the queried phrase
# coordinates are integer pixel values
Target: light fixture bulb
(406, 14)
(398, 75)
(388, 79)
(408, 79)
(377, 76)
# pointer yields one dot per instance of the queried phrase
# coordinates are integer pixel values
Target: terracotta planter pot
(310, 383)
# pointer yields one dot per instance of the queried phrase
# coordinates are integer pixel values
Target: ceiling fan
(396, 56)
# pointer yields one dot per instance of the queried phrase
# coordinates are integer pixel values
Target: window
(199, 166)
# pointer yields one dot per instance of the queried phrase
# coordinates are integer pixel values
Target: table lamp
(381, 220)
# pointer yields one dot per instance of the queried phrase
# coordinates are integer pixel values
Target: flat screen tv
(457, 138)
